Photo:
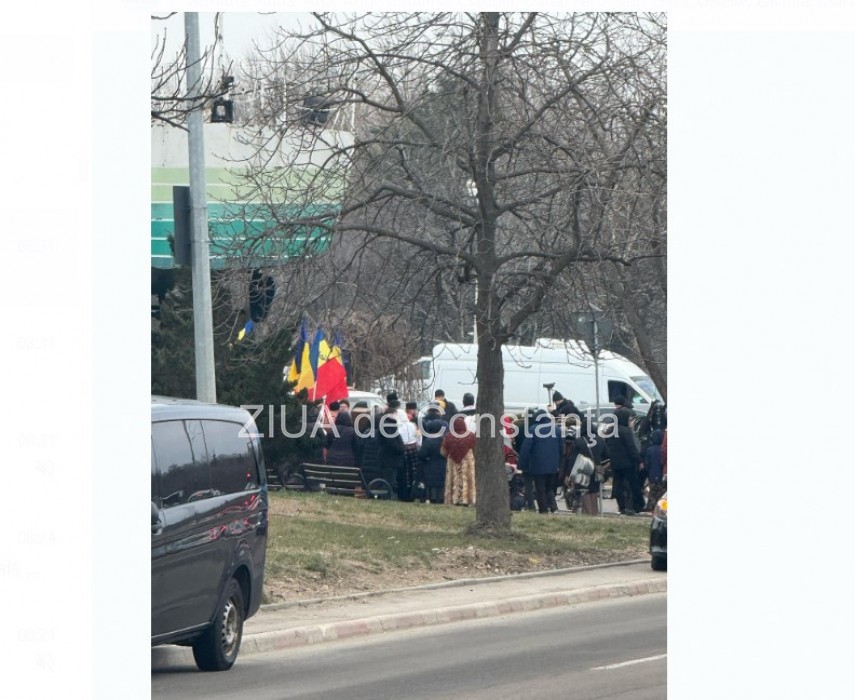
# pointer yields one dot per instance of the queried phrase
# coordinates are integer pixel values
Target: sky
(760, 258)
(238, 29)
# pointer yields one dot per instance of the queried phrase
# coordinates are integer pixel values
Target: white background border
(760, 257)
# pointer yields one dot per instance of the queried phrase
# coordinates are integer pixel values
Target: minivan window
(155, 492)
(231, 457)
(183, 471)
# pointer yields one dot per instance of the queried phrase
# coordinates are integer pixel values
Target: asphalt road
(614, 649)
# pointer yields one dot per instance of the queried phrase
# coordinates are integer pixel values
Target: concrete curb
(305, 602)
(316, 634)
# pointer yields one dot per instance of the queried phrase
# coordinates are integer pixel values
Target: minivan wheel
(217, 648)
(659, 563)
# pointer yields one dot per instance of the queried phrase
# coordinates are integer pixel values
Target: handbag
(583, 470)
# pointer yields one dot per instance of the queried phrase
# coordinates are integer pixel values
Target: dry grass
(322, 545)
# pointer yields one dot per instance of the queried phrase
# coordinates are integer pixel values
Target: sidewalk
(288, 625)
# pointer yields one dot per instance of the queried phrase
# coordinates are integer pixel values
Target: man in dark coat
(540, 457)
(626, 462)
(341, 447)
(564, 407)
(449, 410)
(622, 408)
(519, 431)
(368, 445)
(391, 453)
(432, 463)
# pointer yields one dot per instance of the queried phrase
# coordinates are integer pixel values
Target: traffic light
(222, 111)
(181, 216)
(315, 110)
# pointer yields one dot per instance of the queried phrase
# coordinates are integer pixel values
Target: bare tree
(171, 100)
(497, 154)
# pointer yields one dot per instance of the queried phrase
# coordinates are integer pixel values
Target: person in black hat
(622, 410)
(411, 407)
(564, 407)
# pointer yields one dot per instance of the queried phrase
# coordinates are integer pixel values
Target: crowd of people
(551, 452)
(628, 450)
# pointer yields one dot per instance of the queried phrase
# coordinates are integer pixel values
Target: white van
(568, 365)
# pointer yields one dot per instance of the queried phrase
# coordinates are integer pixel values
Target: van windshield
(646, 384)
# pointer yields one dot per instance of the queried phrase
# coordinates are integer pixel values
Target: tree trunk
(492, 510)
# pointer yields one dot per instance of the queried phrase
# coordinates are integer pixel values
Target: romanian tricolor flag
(246, 330)
(331, 377)
(302, 374)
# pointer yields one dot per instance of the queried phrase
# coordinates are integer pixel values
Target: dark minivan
(208, 527)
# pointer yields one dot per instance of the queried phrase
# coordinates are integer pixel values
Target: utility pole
(203, 325)
(596, 352)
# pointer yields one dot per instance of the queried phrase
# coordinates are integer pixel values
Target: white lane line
(630, 663)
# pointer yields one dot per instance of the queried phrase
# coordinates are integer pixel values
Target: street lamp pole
(203, 325)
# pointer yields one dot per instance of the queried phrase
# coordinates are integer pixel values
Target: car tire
(659, 563)
(217, 648)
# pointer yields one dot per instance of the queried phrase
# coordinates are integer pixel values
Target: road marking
(630, 663)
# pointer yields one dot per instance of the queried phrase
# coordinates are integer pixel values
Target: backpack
(582, 471)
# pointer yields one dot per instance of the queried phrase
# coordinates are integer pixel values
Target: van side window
(618, 389)
(231, 457)
(155, 491)
(183, 474)
(623, 389)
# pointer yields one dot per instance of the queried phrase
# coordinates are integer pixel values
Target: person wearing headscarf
(458, 447)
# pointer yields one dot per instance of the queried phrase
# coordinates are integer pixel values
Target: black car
(659, 535)
(208, 527)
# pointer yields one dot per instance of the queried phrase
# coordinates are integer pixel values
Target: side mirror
(155, 514)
